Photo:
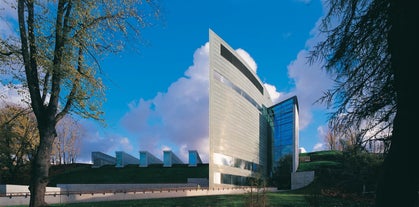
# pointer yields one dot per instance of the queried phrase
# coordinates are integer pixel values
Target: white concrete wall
(23, 189)
(19, 195)
(132, 195)
(301, 179)
(120, 187)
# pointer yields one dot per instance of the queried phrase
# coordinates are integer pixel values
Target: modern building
(248, 134)
(170, 158)
(194, 158)
(123, 159)
(283, 118)
(146, 158)
(100, 159)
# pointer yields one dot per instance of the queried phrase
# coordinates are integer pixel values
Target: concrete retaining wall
(301, 179)
(22, 189)
(202, 182)
(110, 195)
(11, 195)
(120, 187)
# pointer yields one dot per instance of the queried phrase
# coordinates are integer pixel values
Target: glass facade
(239, 65)
(143, 159)
(234, 180)
(169, 158)
(194, 158)
(123, 159)
(283, 122)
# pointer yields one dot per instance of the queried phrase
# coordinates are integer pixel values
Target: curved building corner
(242, 120)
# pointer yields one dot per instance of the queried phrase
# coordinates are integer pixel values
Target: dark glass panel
(239, 65)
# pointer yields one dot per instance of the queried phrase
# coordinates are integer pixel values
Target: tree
(59, 43)
(18, 142)
(344, 138)
(371, 48)
(332, 140)
(66, 145)
(353, 173)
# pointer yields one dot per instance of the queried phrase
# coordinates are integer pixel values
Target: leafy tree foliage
(371, 48)
(356, 174)
(356, 53)
(18, 142)
(55, 56)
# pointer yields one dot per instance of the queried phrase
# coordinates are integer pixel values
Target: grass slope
(84, 173)
(75, 174)
(321, 160)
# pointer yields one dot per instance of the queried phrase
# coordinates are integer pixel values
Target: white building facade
(242, 126)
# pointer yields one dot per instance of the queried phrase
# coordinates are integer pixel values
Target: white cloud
(7, 8)
(247, 58)
(310, 83)
(273, 93)
(94, 139)
(310, 80)
(319, 147)
(14, 95)
(178, 118)
(321, 133)
(166, 148)
(8, 18)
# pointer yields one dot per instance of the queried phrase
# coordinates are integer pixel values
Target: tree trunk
(40, 165)
(399, 182)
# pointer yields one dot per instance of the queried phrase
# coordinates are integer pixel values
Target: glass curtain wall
(282, 122)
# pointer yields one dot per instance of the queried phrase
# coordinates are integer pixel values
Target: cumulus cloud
(8, 17)
(310, 83)
(178, 118)
(302, 150)
(14, 95)
(319, 147)
(273, 93)
(94, 139)
(247, 58)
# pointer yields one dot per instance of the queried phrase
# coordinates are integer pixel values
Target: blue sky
(152, 90)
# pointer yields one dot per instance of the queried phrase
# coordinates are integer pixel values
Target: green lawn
(273, 199)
